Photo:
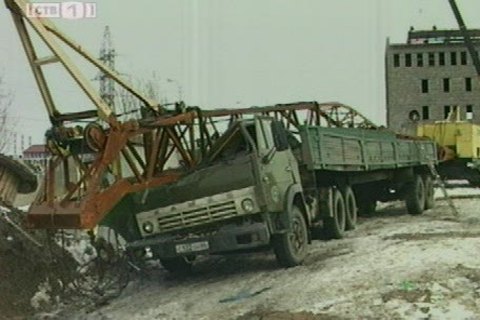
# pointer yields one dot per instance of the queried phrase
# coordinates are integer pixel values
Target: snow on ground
(458, 192)
(393, 266)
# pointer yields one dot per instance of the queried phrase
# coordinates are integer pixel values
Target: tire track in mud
(433, 235)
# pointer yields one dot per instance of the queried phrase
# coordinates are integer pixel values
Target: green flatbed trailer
(263, 186)
(351, 149)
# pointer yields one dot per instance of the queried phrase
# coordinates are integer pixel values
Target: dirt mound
(28, 270)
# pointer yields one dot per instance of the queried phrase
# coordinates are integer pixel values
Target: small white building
(36, 156)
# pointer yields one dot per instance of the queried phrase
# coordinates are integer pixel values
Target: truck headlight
(247, 205)
(147, 227)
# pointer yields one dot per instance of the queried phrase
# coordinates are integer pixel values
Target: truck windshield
(230, 145)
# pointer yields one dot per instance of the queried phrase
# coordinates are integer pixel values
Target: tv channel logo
(64, 10)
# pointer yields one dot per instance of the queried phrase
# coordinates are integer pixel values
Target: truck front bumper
(228, 238)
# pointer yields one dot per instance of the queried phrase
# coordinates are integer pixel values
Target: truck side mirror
(279, 135)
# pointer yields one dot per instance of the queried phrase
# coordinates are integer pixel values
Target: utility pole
(107, 84)
(107, 56)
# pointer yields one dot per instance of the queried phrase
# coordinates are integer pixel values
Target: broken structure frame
(145, 145)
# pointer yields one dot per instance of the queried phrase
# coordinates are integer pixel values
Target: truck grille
(188, 218)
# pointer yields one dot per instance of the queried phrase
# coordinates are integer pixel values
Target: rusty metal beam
(171, 133)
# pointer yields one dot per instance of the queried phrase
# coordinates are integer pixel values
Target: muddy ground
(393, 266)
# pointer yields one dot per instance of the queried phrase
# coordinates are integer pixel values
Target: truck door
(278, 168)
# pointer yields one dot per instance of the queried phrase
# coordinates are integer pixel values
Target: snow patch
(42, 297)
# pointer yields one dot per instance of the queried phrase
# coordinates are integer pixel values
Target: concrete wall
(404, 84)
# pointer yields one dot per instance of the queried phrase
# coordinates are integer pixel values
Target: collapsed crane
(83, 180)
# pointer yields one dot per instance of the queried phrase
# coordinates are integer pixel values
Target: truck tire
(177, 265)
(350, 208)
(415, 196)
(334, 226)
(429, 192)
(291, 247)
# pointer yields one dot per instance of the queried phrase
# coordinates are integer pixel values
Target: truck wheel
(350, 208)
(178, 265)
(429, 192)
(335, 225)
(415, 196)
(291, 247)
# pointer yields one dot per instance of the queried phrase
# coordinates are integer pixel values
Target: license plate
(192, 247)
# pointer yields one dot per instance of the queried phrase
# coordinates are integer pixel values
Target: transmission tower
(107, 56)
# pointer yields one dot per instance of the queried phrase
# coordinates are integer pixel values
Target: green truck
(265, 187)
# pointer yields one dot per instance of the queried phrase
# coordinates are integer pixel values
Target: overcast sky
(224, 53)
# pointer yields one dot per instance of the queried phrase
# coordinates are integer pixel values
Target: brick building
(429, 75)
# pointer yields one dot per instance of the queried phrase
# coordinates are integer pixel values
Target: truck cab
(245, 195)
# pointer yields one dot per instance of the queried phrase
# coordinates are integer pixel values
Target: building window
(441, 58)
(424, 85)
(396, 60)
(408, 60)
(431, 59)
(425, 113)
(446, 84)
(468, 84)
(414, 116)
(419, 59)
(463, 58)
(446, 111)
(469, 114)
(453, 58)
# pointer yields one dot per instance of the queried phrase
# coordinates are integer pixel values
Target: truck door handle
(288, 168)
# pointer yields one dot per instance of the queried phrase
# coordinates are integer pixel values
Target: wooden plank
(27, 180)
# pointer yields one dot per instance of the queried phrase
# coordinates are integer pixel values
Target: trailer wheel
(335, 225)
(415, 196)
(474, 182)
(429, 192)
(350, 208)
(178, 265)
(291, 247)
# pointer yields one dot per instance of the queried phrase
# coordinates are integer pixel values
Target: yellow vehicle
(459, 147)
(458, 140)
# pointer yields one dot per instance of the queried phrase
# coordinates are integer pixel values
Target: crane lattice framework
(107, 56)
(145, 145)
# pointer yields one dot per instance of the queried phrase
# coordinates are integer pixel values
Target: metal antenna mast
(107, 56)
